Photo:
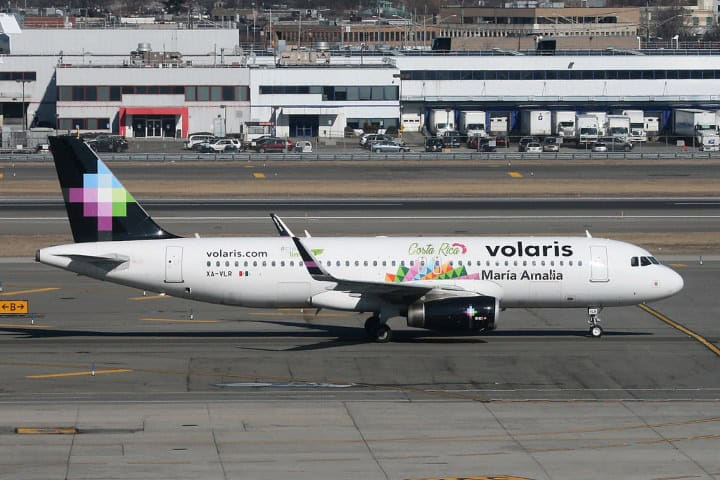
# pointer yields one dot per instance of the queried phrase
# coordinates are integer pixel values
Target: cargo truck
(536, 123)
(692, 125)
(617, 126)
(472, 123)
(441, 121)
(498, 124)
(563, 124)
(586, 129)
(637, 125)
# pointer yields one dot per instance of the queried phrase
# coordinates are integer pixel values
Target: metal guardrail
(368, 156)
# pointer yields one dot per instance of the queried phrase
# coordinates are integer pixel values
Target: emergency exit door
(598, 264)
(173, 265)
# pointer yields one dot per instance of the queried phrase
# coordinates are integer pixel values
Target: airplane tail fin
(99, 208)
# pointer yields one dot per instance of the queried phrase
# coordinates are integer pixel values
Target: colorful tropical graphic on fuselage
(430, 271)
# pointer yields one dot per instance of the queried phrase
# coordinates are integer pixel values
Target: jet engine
(467, 314)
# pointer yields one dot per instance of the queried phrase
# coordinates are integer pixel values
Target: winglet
(282, 229)
(314, 267)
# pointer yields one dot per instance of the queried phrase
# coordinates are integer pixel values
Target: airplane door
(598, 264)
(173, 265)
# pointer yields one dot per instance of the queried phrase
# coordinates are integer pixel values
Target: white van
(197, 139)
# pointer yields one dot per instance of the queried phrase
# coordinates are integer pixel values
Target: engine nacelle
(468, 314)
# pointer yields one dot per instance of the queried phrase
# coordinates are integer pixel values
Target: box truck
(441, 121)
(586, 129)
(652, 126)
(617, 126)
(563, 124)
(498, 124)
(602, 120)
(637, 125)
(693, 124)
(536, 123)
(472, 123)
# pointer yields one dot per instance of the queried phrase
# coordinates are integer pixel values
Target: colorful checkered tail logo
(98, 206)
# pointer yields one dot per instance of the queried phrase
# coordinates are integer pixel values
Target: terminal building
(176, 82)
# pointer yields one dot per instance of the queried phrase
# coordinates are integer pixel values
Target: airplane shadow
(340, 335)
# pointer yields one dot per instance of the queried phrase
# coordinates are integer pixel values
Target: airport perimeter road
(187, 390)
(273, 179)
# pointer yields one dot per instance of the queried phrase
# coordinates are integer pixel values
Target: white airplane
(437, 283)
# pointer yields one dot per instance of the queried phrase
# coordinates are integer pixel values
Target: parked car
(616, 144)
(371, 137)
(303, 146)
(434, 144)
(388, 146)
(222, 145)
(197, 139)
(452, 139)
(599, 146)
(524, 141)
(273, 144)
(377, 138)
(479, 144)
(533, 147)
(502, 141)
(108, 143)
(550, 144)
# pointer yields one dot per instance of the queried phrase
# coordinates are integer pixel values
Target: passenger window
(384, 263)
(337, 264)
(209, 264)
(282, 263)
(300, 264)
(506, 263)
(374, 263)
(237, 264)
(273, 263)
(579, 263)
(227, 263)
(264, 264)
(217, 264)
(412, 263)
(292, 264)
(644, 261)
(365, 263)
(246, 263)
(393, 263)
(347, 263)
(524, 263)
(254, 264)
(357, 263)
(634, 262)
(570, 263)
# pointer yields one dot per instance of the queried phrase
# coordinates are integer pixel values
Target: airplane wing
(394, 291)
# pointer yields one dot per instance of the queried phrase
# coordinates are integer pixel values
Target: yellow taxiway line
(515, 174)
(79, 374)
(46, 430)
(258, 175)
(709, 345)
(35, 290)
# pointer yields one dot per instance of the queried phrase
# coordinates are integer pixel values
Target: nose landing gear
(596, 330)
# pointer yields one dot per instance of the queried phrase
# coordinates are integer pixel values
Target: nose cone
(675, 282)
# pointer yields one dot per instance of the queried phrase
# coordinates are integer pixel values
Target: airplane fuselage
(269, 272)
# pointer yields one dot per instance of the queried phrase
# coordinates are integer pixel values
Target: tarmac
(189, 390)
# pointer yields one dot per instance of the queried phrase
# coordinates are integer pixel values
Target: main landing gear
(596, 330)
(377, 330)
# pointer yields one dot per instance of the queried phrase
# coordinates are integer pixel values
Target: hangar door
(173, 265)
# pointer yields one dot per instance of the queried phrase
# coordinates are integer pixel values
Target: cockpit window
(634, 262)
(654, 261)
(645, 261)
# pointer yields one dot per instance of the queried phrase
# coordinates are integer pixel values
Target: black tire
(596, 331)
(371, 325)
(383, 334)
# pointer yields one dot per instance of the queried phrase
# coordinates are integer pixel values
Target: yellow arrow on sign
(14, 307)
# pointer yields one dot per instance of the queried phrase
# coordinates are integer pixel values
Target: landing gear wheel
(383, 334)
(596, 331)
(371, 325)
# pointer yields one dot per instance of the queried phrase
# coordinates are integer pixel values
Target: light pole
(24, 114)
